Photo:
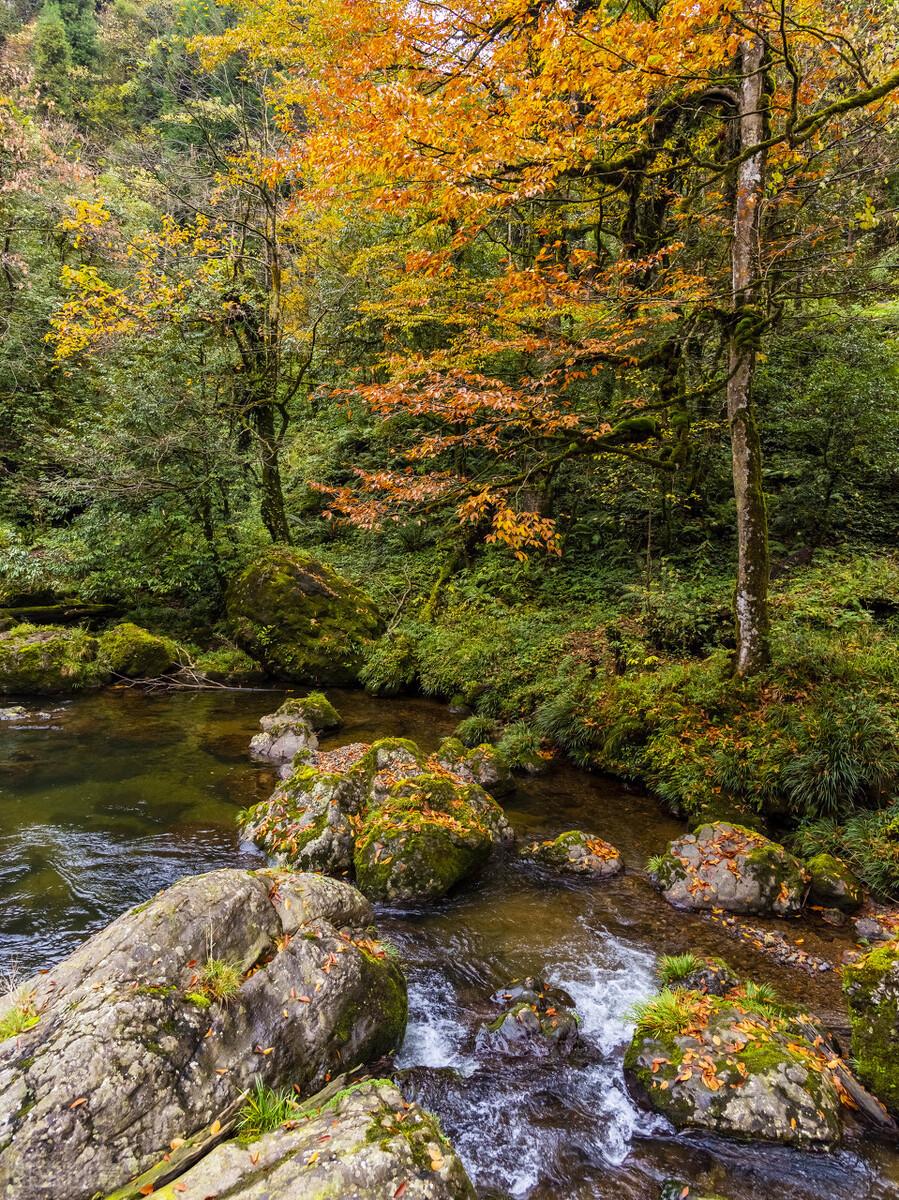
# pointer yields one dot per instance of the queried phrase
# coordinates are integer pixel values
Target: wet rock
(300, 619)
(871, 985)
(293, 728)
(711, 976)
(877, 927)
(728, 866)
(133, 652)
(540, 1020)
(47, 660)
(676, 1189)
(15, 713)
(366, 1143)
(482, 764)
(405, 826)
(576, 853)
(158, 1023)
(832, 884)
(732, 1065)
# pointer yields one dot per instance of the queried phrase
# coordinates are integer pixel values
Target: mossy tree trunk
(751, 600)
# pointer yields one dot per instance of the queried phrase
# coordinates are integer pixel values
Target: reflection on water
(108, 798)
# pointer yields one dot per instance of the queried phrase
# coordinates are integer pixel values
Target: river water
(108, 798)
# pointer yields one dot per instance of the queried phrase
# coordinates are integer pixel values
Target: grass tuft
(263, 1110)
(673, 967)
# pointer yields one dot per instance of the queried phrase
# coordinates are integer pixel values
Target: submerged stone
(540, 1020)
(728, 866)
(577, 853)
(157, 1024)
(301, 619)
(367, 1143)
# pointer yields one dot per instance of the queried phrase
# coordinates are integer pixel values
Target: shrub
(474, 731)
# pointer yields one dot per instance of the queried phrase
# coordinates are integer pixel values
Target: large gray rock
(576, 853)
(730, 1066)
(131, 1048)
(365, 1144)
(727, 866)
(292, 728)
(404, 825)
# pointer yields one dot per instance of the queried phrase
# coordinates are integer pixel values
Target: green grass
(678, 966)
(664, 1015)
(219, 979)
(20, 1018)
(263, 1110)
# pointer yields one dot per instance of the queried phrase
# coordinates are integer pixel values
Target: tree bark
(271, 501)
(751, 600)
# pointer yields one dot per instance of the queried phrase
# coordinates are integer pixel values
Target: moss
(315, 708)
(871, 985)
(47, 660)
(420, 840)
(198, 998)
(135, 653)
(300, 619)
(833, 884)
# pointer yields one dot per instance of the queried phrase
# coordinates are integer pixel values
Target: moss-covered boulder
(722, 865)
(135, 653)
(871, 984)
(735, 1065)
(46, 660)
(292, 728)
(576, 853)
(365, 1143)
(425, 835)
(539, 1021)
(300, 619)
(401, 823)
(833, 885)
(482, 764)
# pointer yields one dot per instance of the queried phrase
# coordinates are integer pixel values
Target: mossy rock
(871, 985)
(231, 666)
(833, 885)
(302, 620)
(135, 653)
(729, 866)
(576, 853)
(728, 1066)
(315, 708)
(676, 1189)
(426, 835)
(48, 660)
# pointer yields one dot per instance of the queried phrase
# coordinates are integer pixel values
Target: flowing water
(107, 798)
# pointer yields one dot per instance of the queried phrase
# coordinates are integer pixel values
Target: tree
(590, 216)
(52, 61)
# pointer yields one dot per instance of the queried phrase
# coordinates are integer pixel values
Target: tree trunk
(751, 601)
(271, 503)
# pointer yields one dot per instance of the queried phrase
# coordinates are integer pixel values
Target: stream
(108, 798)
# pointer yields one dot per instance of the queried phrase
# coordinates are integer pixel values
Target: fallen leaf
(215, 1127)
(77, 1103)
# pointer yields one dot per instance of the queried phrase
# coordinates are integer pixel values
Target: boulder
(832, 884)
(48, 660)
(366, 1143)
(482, 764)
(135, 653)
(731, 1065)
(404, 825)
(722, 865)
(293, 727)
(576, 853)
(871, 985)
(301, 619)
(539, 1021)
(160, 1022)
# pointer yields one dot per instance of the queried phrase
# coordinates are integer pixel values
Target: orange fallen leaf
(77, 1103)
